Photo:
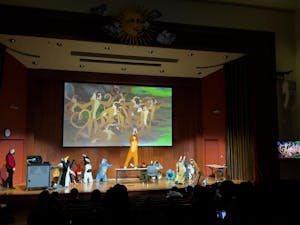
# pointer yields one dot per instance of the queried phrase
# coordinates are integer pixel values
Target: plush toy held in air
(103, 167)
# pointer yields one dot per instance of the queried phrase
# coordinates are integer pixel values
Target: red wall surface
(13, 108)
(213, 120)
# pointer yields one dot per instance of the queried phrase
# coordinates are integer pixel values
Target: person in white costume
(87, 176)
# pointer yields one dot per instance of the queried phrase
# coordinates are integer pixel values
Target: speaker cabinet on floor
(38, 176)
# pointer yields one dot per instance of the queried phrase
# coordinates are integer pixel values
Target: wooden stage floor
(132, 185)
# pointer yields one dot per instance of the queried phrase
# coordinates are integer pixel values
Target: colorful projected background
(288, 149)
(106, 114)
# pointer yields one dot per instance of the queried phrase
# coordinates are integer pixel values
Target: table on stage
(215, 168)
(128, 170)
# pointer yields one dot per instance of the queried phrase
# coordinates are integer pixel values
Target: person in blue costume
(103, 167)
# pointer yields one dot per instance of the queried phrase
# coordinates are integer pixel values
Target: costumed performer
(65, 173)
(133, 150)
(78, 173)
(72, 173)
(194, 172)
(103, 167)
(56, 172)
(158, 167)
(87, 176)
(170, 174)
(180, 171)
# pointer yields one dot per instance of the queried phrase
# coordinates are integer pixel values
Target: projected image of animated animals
(105, 114)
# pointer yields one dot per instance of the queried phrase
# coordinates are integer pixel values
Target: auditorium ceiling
(73, 55)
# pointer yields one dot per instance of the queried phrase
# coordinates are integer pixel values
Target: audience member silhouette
(203, 205)
(48, 211)
(222, 203)
(74, 194)
(96, 205)
(116, 201)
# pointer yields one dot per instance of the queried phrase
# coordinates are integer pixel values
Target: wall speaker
(288, 93)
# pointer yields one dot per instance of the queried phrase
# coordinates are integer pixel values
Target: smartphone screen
(221, 214)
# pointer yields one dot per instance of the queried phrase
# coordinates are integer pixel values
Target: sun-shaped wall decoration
(135, 24)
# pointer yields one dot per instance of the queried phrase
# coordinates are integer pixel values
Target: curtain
(239, 143)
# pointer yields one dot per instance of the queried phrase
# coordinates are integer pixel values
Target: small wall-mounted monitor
(288, 149)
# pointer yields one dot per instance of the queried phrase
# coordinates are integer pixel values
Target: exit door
(213, 154)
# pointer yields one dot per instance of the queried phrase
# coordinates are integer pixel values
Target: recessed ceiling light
(12, 40)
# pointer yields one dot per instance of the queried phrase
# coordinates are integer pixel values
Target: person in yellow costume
(133, 150)
(180, 171)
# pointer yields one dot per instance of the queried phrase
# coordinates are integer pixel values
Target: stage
(132, 185)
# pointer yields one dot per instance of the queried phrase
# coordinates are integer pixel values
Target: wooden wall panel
(213, 120)
(13, 97)
(13, 112)
(46, 105)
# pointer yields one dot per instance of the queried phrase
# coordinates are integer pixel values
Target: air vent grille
(126, 57)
